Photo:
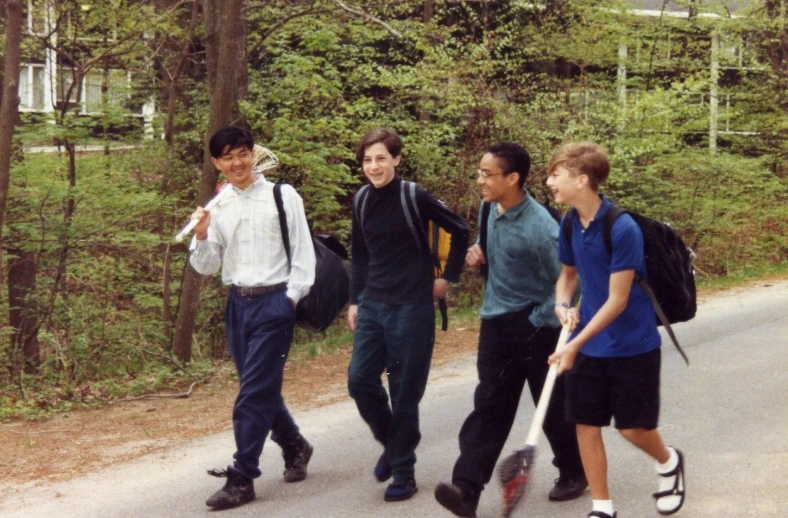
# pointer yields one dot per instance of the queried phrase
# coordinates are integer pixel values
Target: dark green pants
(398, 339)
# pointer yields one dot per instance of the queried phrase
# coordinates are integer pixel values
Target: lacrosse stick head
(513, 474)
(264, 160)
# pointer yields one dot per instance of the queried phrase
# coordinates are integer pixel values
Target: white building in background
(44, 83)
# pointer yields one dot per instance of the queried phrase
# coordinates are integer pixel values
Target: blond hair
(585, 158)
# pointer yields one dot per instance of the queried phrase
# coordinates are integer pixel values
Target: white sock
(603, 506)
(668, 503)
(670, 464)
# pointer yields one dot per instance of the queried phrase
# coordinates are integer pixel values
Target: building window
(31, 87)
(116, 91)
(65, 78)
(35, 16)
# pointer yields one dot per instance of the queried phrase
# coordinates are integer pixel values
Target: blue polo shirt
(522, 256)
(634, 331)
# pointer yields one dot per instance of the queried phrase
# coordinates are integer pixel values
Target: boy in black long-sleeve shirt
(391, 305)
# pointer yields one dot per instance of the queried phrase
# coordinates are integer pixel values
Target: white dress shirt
(245, 239)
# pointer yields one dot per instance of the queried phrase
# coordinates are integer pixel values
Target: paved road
(727, 411)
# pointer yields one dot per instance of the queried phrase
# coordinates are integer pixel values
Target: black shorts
(626, 389)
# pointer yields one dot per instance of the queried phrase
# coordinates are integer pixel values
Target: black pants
(511, 351)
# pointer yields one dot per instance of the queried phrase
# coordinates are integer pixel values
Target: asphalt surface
(726, 411)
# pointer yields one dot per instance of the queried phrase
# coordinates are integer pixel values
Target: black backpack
(331, 290)
(671, 278)
(413, 217)
(485, 269)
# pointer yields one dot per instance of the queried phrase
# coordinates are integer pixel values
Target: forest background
(98, 302)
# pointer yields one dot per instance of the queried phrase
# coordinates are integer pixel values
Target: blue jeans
(398, 339)
(259, 333)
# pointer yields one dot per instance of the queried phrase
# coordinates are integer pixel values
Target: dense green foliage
(474, 74)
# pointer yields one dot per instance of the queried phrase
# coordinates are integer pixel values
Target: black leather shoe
(568, 488)
(296, 455)
(456, 500)
(600, 514)
(238, 489)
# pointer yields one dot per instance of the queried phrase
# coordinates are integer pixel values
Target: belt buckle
(244, 292)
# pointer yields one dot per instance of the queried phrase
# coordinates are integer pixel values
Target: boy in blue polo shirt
(612, 359)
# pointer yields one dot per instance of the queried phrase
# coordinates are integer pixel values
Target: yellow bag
(440, 241)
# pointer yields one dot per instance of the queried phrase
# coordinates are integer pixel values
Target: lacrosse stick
(264, 159)
(514, 470)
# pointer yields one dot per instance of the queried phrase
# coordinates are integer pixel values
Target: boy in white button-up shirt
(241, 235)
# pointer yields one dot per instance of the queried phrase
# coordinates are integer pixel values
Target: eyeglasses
(485, 174)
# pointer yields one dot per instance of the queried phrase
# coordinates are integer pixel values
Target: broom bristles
(513, 474)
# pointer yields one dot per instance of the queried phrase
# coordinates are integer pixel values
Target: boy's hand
(475, 257)
(204, 218)
(567, 315)
(440, 288)
(565, 358)
(352, 314)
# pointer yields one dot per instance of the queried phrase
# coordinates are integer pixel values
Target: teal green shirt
(522, 255)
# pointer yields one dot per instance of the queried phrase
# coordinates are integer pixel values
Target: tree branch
(180, 395)
(281, 23)
(369, 18)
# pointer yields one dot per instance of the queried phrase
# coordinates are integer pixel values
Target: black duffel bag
(331, 290)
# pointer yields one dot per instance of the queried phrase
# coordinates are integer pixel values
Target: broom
(513, 471)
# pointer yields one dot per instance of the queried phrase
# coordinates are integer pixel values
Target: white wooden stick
(208, 206)
(547, 390)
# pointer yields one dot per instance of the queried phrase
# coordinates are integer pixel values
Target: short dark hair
(388, 137)
(588, 158)
(513, 158)
(232, 136)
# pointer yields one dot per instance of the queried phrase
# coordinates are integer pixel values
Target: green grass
(737, 279)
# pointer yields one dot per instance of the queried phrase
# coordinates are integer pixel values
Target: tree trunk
(226, 60)
(9, 109)
(429, 10)
(22, 314)
(426, 18)
(777, 46)
(171, 95)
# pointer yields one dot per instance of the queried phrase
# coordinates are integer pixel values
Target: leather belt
(258, 290)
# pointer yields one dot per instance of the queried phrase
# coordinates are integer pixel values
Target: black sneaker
(459, 502)
(296, 455)
(238, 489)
(600, 514)
(401, 489)
(568, 488)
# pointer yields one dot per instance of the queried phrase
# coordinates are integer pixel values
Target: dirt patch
(72, 444)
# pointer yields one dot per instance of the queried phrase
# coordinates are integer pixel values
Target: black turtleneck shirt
(387, 264)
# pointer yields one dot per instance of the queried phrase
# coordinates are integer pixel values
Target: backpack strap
(485, 268)
(407, 193)
(607, 227)
(610, 218)
(280, 208)
(661, 315)
(413, 218)
(360, 203)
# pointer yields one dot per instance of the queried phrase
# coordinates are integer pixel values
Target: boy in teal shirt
(518, 332)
